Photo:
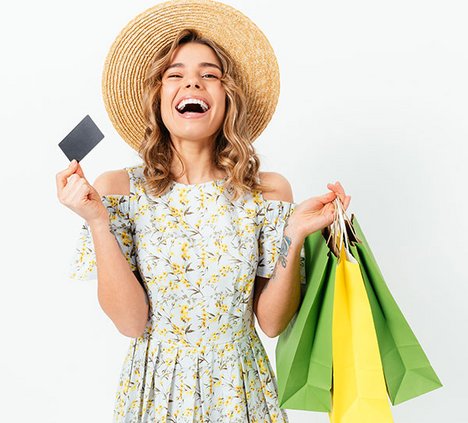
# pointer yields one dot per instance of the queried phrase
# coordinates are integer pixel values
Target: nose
(192, 80)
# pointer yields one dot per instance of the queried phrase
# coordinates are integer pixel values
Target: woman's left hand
(317, 213)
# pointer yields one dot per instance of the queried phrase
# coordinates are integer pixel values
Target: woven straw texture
(134, 48)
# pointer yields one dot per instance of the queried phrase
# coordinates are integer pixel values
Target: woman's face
(197, 74)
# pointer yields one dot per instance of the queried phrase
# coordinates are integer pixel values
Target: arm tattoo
(284, 250)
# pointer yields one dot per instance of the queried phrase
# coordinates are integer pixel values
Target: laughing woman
(191, 243)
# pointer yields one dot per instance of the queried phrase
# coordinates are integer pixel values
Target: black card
(81, 140)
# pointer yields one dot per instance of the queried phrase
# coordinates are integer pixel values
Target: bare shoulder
(279, 187)
(113, 182)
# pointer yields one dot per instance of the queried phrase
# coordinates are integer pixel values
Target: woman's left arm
(276, 299)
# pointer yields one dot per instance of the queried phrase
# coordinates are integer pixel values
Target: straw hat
(134, 48)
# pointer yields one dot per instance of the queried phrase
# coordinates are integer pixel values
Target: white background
(373, 94)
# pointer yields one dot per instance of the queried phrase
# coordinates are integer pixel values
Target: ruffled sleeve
(275, 215)
(83, 260)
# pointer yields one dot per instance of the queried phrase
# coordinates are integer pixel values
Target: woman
(175, 242)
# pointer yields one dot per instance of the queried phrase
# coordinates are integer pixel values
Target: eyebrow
(200, 65)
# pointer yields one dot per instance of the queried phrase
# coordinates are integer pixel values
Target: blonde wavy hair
(233, 152)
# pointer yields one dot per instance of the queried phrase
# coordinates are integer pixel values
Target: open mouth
(192, 108)
(192, 111)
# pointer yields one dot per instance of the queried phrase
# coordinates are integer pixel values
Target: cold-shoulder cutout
(113, 182)
(273, 216)
(282, 190)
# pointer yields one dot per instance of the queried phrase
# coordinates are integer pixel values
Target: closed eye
(208, 74)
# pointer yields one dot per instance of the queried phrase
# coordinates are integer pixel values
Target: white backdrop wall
(373, 94)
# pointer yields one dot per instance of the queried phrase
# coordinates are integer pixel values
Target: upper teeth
(183, 103)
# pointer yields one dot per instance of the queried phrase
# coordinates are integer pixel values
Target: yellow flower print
(184, 247)
(143, 209)
(203, 318)
(197, 252)
(223, 328)
(175, 212)
(173, 285)
(186, 282)
(251, 213)
(177, 269)
(184, 314)
(113, 201)
(172, 225)
(256, 197)
(249, 229)
(203, 258)
(183, 196)
(225, 270)
(221, 246)
(162, 331)
(213, 279)
(188, 411)
(177, 330)
(214, 337)
(126, 240)
(222, 209)
(212, 220)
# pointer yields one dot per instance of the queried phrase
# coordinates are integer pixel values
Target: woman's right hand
(76, 193)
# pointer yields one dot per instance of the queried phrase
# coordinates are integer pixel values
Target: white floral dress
(200, 358)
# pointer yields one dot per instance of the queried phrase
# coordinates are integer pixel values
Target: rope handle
(339, 233)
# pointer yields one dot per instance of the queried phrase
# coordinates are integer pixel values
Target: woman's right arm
(120, 293)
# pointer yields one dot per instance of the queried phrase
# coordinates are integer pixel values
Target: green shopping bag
(407, 370)
(304, 349)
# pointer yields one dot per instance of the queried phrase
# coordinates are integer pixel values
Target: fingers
(69, 180)
(61, 177)
(348, 199)
(340, 192)
(79, 171)
(326, 198)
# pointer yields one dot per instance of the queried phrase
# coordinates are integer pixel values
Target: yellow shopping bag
(359, 393)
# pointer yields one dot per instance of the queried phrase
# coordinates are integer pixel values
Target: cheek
(166, 94)
(223, 107)
(165, 105)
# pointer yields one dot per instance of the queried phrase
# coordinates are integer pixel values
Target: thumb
(326, 198)
(62, 177)
(79, 171)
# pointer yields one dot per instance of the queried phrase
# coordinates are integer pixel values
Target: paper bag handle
(338, 232)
